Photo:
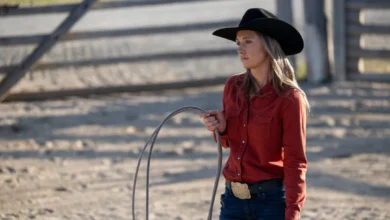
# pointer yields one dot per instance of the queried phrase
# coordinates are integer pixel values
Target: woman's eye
(238, 44)
(248, 42)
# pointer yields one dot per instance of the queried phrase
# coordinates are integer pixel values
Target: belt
(260, 187)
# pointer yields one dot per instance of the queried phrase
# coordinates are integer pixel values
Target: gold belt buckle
(241, 190)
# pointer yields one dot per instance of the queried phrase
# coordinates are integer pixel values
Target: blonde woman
(263, 123)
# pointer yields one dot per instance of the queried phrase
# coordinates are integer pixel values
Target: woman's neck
(261, 74)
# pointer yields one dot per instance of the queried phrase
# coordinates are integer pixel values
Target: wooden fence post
(284, 12)
(48, 42)
(316, 41)
(339, 41)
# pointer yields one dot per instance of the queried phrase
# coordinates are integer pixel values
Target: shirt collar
(267, 90)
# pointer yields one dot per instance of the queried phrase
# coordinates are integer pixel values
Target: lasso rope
(152, 139)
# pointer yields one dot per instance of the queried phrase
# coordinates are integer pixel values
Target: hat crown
(266, 23)
(255, 13)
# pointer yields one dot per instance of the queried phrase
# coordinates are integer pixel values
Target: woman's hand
(214, 120)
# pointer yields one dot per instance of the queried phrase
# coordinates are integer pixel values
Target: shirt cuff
(224, 140)
(292, 214)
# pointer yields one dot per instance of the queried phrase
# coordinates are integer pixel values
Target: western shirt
(266, 135)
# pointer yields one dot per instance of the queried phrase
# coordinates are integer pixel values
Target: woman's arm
(295, 162)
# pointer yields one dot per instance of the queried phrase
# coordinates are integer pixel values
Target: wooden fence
(45, 42)
(349, 28)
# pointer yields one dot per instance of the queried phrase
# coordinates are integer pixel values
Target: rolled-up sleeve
(295, 161)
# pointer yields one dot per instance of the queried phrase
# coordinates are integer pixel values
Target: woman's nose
(241, 50)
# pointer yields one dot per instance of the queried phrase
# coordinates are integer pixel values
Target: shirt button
(238, 174)
(243, 142)
(244, 125)
(238, 158)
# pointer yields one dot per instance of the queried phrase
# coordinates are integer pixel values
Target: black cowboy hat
(264, 22)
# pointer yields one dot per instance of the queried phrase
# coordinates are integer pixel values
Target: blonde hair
(283, 76)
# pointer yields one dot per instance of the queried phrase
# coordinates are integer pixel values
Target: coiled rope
(151, 140)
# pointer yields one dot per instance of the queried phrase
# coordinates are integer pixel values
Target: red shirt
(267, 139)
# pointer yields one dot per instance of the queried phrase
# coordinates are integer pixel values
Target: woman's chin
(246, 66)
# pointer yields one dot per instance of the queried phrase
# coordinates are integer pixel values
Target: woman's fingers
(210, 119)
(203, 115)
(211, 123)
(212, 128)
(213, 112)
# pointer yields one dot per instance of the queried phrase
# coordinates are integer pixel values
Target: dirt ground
(76, 158)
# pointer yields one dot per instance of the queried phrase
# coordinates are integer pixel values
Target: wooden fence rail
(16, 74)
(364, 4)
(349, 28)
(15, 10)
(20, 40)
(128, 59)
(85, 92)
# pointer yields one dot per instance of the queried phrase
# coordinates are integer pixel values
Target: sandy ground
(75, 158)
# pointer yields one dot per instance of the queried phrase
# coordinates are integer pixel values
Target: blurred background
(85, 83)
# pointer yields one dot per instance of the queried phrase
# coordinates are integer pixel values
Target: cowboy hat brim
(287, 36)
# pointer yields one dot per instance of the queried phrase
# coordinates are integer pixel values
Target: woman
(263, 123)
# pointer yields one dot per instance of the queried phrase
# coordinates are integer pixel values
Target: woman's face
(250, 49)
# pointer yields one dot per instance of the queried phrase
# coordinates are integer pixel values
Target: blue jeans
(265, 206)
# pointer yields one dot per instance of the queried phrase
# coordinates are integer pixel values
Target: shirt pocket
(262, 126)
(232, 111)
(232, 119)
